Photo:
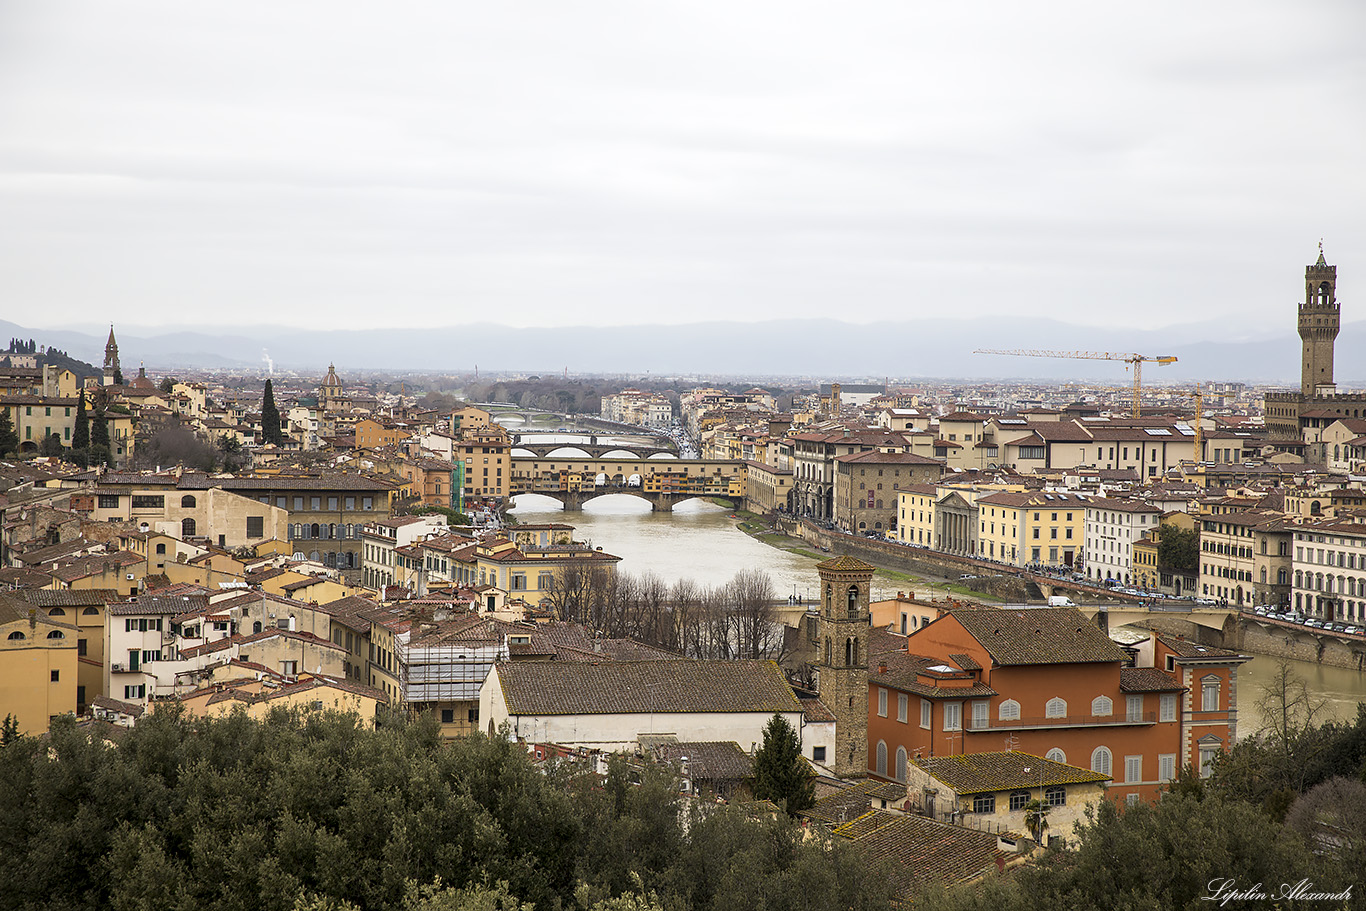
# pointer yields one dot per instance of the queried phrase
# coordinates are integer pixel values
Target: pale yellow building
(38, 669)
(1038, 527)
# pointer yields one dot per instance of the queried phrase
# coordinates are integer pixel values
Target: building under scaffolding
(441, 667)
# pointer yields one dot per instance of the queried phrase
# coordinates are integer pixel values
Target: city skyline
(614, 166)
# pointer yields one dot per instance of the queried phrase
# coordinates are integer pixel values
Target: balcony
(1027, 723)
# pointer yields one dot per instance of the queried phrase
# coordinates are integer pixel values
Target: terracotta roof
(1184, 648)
(114, 705)
(980, 773)
(709, 760)
(638, 687)
(845, 564)
(1038, 635)
(1147, 680)
(849, 803)
(927, 851)
(160, 604)
(815, 711)
(89, 597)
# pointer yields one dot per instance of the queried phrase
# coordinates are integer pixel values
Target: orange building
(371, 434)
(1045, 681)
(1209, 710)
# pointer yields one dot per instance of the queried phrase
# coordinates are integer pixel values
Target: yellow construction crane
(1199, 395)
(1132, 360)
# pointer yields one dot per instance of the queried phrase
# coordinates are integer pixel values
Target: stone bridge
(1219, 619)
(573, 500)
(596, 450)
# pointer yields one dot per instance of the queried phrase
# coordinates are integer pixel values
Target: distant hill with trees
(53, 356)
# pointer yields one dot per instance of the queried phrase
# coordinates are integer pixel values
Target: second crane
(1133, 360)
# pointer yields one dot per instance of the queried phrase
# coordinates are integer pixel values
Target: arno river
(700, 541)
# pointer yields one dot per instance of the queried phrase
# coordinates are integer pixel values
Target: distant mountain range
(809, 348)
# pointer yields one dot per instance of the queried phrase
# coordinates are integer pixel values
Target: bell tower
(111, 358)
(1320, 319)
(842, 665)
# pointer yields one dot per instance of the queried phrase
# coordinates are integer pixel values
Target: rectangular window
(148, 502)
(1168, 708)
(1166, 767)
(367, 503)
(818, 754)
(298, 504)
(315, 503)
(80, 647)
(1207, 762)
(55, 676)
(902, 707)
(448, 716)
(926, 713)
(979, 714)
(1133, 708)
(881, 702)
(350, 502)
(109, 501)
(1209, 697)
(953, 716)
(332, 503)
(256, 527)
(1133, 769)
(289, 668)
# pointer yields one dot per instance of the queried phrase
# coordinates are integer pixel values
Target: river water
(700, 540)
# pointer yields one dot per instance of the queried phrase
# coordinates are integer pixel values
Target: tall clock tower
(1320, 319)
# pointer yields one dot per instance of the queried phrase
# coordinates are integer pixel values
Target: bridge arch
(619, 454)
(567, 452)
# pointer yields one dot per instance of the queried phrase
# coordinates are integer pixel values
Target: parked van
(1060, 601)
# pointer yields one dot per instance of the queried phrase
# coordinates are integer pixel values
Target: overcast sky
(553, 163)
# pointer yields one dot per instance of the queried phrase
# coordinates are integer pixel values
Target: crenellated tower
(1320, 320)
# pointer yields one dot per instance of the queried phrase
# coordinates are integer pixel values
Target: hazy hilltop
(929, 348)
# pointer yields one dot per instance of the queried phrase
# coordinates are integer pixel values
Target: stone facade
(842, 665)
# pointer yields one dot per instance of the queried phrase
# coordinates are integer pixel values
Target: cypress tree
(270, 417)
(9, 437)
(80, 436)
(780, 773)
(99, 439)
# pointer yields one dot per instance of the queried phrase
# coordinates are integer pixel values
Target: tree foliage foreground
(315, 811)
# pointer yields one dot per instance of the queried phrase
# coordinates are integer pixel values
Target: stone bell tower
(1320, 319)
(842, 665)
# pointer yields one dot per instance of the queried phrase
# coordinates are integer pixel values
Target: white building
(610, 705)
(1112, 527)
(1330, 571)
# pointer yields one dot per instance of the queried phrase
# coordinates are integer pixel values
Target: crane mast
(1131, 360)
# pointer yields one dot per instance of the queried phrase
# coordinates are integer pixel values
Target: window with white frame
(1009, 710)
(1056, 755)
(1100, 760)
(881, 702)
(1166, 766)
(926, 713)
(1168, 707)
(953, 716)
(902, 707)
(1133, 708)
(1102, 705)
(1209, 693)
(980, 710)
(1133, 769)
(1056, 708)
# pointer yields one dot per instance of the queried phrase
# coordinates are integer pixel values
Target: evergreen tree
(118, 377)
(780, 773)
(52, 446)
(9, 438)
(99, 439)
(270, 418)
(80, 437)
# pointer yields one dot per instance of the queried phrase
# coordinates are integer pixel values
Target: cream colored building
(1030, 528)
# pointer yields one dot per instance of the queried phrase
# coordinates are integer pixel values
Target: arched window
(16, 636)
(186, 527)
(1263, 575)
(1010, 710)
(90, 612)
(1299, 578)
(1280, 577)
(853, 600)
(56, 612)
(1315, 509)
(1056, 707)
(332, 530)
(187, 502)
(1102, 705)
(900, 763)
(882, 757)
(56, 634)
(315, 530)
(1056, 755)
(256, 627)
(1100, 760)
